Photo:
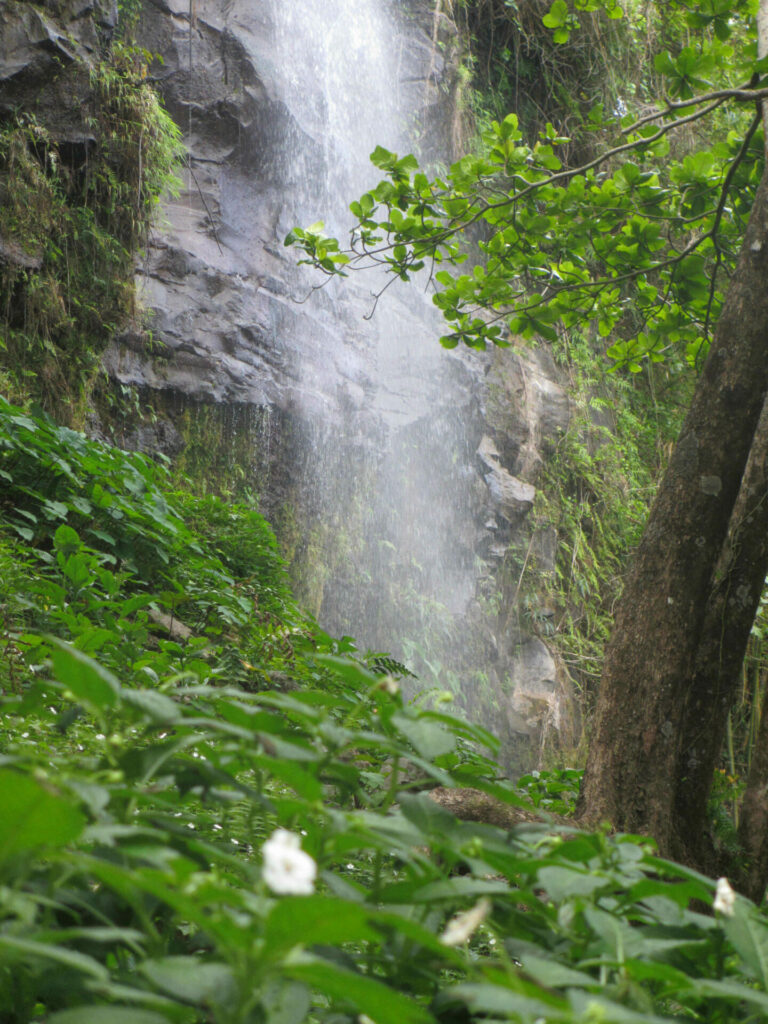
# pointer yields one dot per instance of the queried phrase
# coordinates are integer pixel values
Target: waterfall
(389, 462)
(338, 68)
(398, 476)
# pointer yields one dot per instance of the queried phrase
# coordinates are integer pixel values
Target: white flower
(390, 686)
(461, 927)
(287, 870)
(725, 897)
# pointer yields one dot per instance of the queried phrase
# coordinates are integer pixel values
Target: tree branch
(721, 208)
(745, 94)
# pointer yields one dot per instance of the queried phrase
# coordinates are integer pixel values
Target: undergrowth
(517, 64)
(166, 707)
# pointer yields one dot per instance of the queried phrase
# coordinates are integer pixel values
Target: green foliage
(552, 791)
(71, 221)
(113, 548)
(632, 242)
(222, 446)
(548, 63)
(592, 500)
(128, 12)
(166, 706)
(54, 475)
(152, 844)
(142, 774)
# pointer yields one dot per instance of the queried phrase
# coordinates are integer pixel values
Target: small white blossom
(462, 926)
(390, 686)
(725, 898)
(288, 870)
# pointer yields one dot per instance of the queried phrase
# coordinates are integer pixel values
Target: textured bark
(650, 660)
(753, 828)
(728, 619)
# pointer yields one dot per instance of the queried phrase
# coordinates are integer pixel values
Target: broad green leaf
(382, 158)
(25, 950)
(154, 705)
(350, 671)
(597, 1008)
(34, 816)
(293, 775)
(129, 936)
(55, 509)
(193, 980)
(426, 814)
(445, 889)
(430, 739)
(106, 1015)
(675, 980)
(484, 999)
(78, 569)
(560, 882)
(730, 989)
(94, 639)
(748, 933)
(25, 422)
(313, 920)
(554, 974)
(380, 1002)
(91, 684)
(66, 538)
(285, 1002)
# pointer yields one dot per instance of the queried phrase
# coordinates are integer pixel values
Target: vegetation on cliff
(73, 217)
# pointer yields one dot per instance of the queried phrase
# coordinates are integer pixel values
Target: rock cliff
(397, 475)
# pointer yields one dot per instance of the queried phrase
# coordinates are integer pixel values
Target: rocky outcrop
(509, 495)
(528, 408)
(229, 305)
(36, 42)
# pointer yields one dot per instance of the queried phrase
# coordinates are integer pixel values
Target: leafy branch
(559, 244)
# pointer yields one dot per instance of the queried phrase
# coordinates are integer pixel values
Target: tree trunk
(728, 619)
(650, 660)
(753, 828)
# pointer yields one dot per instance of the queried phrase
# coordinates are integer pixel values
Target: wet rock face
(231, 328)
(528, 409)
(36, 43)
(510, 497)
(225, 291)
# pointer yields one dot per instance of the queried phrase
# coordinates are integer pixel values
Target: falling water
(387, 465)
(339, 74)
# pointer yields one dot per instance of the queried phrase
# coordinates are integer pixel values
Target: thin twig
(202, 199)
